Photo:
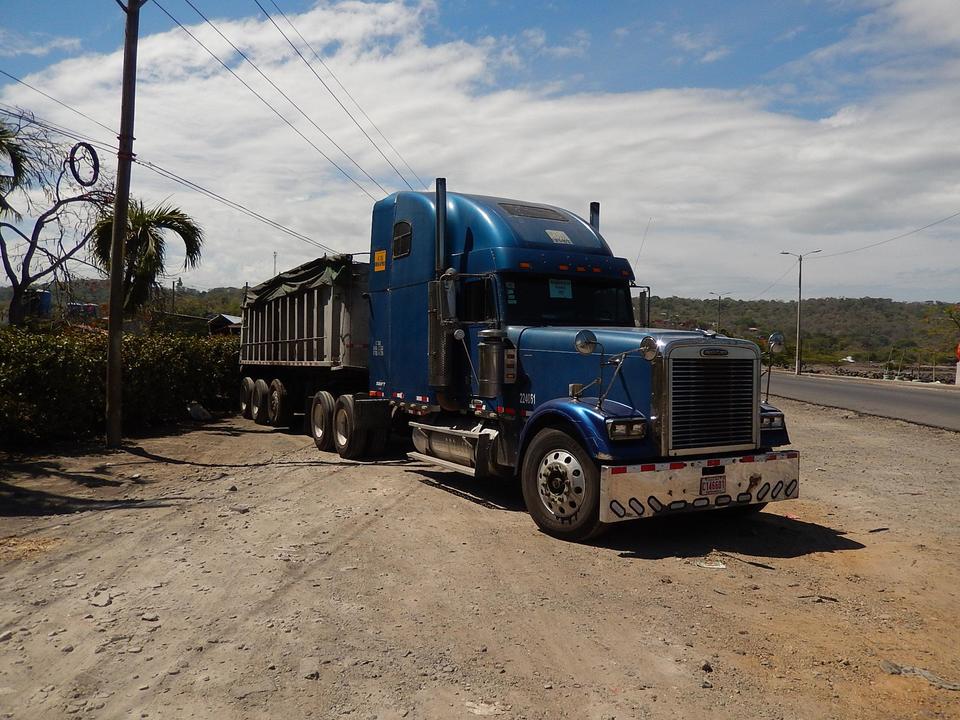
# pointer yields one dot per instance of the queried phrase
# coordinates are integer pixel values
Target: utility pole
(274, 263)
(173, 296)
(719, 300)
(120, 205)
(799, 257)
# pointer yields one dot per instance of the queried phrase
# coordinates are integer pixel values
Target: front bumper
(628, 492)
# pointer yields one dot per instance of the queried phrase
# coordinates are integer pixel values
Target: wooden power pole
(120, 204)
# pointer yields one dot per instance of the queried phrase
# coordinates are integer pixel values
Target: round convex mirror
(775, 343)
(585, 342)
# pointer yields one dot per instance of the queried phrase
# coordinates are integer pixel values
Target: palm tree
(146, 247)
(21, 163)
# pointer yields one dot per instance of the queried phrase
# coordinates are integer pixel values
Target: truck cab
(505, 331)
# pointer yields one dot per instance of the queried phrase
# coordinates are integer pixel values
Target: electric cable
(889, 240)
(771, 285)
(332, 94)
(349, 95)
(267, 103)
(285, 96)
(58, 102)
(170, 175)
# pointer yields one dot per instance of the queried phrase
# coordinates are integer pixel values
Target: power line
(771, 285)
(285, 96)
(332, 94)
(889, 240)
(232, 204)
(58, 102)
(170, 175)
(267, 103)
(347, 93)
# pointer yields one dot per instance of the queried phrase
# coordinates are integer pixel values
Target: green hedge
(52, 385)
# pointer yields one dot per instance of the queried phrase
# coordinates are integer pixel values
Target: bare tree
(43, 175)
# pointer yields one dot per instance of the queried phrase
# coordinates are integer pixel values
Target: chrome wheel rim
(317, 420)
(560, 483)
(340, 425)
(275, 403)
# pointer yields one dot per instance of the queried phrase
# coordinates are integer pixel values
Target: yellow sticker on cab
(379, 260)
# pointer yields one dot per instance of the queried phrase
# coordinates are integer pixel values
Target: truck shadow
(489, 493)
(764, 535)
(20, 502)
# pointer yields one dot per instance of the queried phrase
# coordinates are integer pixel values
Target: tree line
(868, 329)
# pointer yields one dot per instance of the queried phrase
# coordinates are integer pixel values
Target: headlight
(771, 422)
(627, 429)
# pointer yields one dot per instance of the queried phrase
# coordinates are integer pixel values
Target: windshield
(539, 300)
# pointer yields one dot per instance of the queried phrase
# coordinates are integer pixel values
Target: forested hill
(185, 300)
(867, 328)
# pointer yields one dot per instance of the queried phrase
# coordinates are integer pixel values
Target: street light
(799, 257)
(719, 300)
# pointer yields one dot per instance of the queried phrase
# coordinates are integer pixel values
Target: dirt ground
(231, 571)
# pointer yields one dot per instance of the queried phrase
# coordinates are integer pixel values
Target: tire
(320, 420)
(349, 440)
(260, 403)
(246, 395)
(561, 487)
(278, 404)
(377, 441)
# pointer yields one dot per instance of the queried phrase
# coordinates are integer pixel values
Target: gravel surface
(231, 571)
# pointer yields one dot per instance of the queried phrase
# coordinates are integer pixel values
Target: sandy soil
(229, 571)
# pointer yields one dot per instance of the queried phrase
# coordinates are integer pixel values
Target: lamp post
(799, 257)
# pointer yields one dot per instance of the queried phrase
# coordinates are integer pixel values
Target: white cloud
(534, 40)
(36, 44)
(702, 45)
(728, 182)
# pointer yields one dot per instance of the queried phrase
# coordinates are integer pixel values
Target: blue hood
(549, 363)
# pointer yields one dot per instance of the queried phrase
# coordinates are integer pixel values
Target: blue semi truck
(501, 335)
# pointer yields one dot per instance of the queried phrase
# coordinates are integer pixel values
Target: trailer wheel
(246, 395)
(321, 420)
(561, 487)
(279, 404)
(349, 440)
(260, 402)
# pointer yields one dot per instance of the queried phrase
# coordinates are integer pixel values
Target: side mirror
(776, 343)
(585, 342)
(649, 348)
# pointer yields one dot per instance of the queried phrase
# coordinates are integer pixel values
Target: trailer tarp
(322, 271)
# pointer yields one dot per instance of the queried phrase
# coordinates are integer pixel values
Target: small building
(224, 324)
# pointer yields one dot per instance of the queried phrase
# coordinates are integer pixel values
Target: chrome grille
(711, 402)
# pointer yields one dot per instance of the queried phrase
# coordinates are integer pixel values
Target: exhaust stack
(595, 216)
(441, 203)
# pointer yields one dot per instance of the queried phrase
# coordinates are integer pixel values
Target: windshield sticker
(559, 237)
(511, 293)
(562, 289)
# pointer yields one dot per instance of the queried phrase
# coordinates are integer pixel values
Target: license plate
(713, 485)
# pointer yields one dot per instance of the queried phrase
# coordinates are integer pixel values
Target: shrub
(53, 385)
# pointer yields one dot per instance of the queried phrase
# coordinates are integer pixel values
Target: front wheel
(561, 487)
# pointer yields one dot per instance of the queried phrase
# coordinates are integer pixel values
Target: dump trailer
(501, 336)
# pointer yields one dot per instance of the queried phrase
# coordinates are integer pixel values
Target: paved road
(925, 404)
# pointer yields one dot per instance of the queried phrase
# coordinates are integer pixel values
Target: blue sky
(741, 127)
(626, 45)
